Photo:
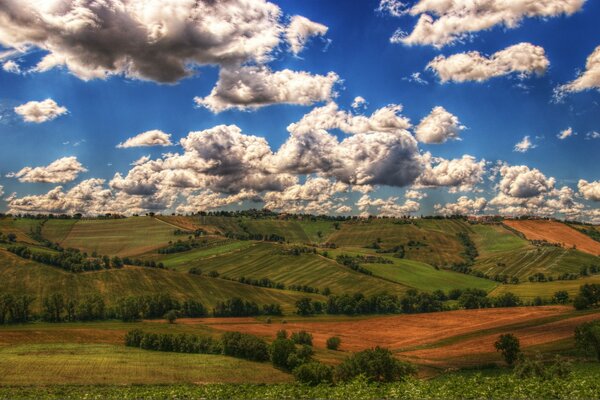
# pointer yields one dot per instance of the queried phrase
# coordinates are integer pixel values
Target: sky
(376, 107)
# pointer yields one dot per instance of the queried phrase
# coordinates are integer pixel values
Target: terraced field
(549, 260)
(432, 245)
(545, 290)
(495, 239)
(20, 227)
(185, 260)
(122, 237)
(265, 260)
(556, 232)
(20, 276)
(290, 230)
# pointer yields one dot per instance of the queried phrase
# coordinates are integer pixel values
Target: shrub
(302, 337)
(376, 365)
(281, 349)
(587, 338)
(510, 347)
(333, 343)
(171, 316)
(245, 346)
(313, 373)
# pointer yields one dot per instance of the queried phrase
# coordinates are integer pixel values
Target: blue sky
(497, 113)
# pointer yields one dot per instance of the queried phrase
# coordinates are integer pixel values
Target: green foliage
(535, 367)
(561, 297)
(587, 338)
(313, 373)
(245, 346)
(281, 350)
(302, 337)
(172, 342)
(15, 308)
(333, 343)
(376, 365)
(171, 316)
(509, 346)
(589, 296)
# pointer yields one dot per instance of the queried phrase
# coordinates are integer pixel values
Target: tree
(313, 373)
(561, 297)
(510, 347)
(507, 299)
(53, 307)
(587, 337)
(302, 337)
(589, 296)
(376, 365)
(304, 306)
(333, 343)
(281, 350)
(171, 316)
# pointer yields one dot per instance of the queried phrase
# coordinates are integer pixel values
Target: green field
(185, 260)
(51, 364)
(21, 227)
(265, 260)
(424, 277)
(19, 276)
(494, 239)
(529, 260)
(434, 247)
(545, 290)
(57, 230)
(122, 237)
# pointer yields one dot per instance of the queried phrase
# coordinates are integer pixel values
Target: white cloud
(566, 133)
(463, 206)
(166, 39)
(12, 67)
(208, 200)
(316, 196)
(417, 78)
(1, 190)
(149, 138)
(460, 174)
(588, 79)
(438, 127)
(414, 195)
(442, 22)
(258, 86)
(520, 181)
(395, 8)
(386, 207)
(358, 103)
(589, 190)
(300, 30)
(40, 111)
(523, 58)
(62, 170)
(592, 135)
(524, 145)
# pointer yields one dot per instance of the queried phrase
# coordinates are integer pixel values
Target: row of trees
(236, 307)
(71, 260)
(15, 308)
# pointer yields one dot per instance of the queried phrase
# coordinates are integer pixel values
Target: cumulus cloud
(300, 30)
(444, 22)
(459, 174)
(380, 150)
(257, 86)
(12, 67)
(395, 8)
(565, 133)
(149, 138)
(462, 206)
(315, 196)
(386, 207)
(358, 103)
(62, 170)
(523, 182)
(1, 190)
(40, 111)
(414, 195)
(166, 40)
(588, 79)
(209, 200)
(524, 145)
(523, 58)
(438, 127)
(589, 190)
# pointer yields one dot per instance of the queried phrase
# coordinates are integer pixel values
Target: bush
(376, 365)
(245, 346)
(302, 337)
(281, 349)
(510, 347)
(313, 373)
(587, 338)
(333, 343)
(536, 368)
(171, 316)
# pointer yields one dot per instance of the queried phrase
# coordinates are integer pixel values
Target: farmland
(260, 260)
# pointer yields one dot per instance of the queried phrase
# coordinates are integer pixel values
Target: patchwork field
(545, 290)
(556, 232)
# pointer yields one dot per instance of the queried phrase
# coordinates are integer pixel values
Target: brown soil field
(555, 232)
(477, 348)
(395, 332)
(62, 335)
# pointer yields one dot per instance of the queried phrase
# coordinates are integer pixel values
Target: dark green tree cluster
(236, 307)
(180, 246)
(172, 342)
(352, 263)
(8, 237)
(133, 308)
(376, 365)
(245, 346)
(15, 308)
(58, 308)
(587, 338)
(588, 297)
(287, 354)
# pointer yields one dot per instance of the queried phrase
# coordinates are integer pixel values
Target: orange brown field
(555, 232)
(396, 332)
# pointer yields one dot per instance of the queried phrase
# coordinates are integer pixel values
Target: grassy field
(265, 260)
(424, 277)
(20, 227)
(57, 230)
(185, 260)
(494, 239)
(20, 276)
(545, 290)
(529, 260)
(52, 364)
(122, 237)
(434, 247)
